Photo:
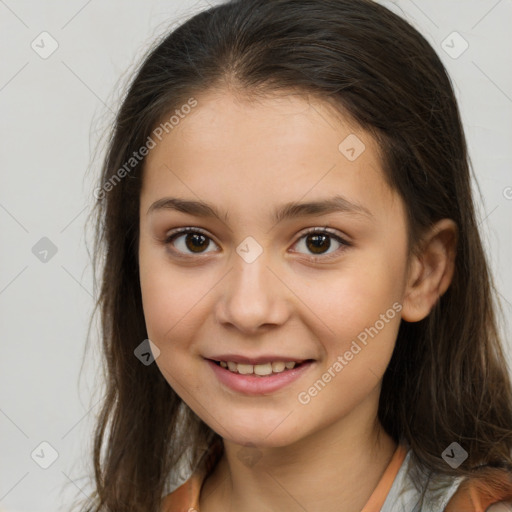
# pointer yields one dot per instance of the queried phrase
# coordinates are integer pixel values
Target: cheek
(356, 317)
(363, 319)
(175, 302)
(169, 314)
(355, 297)
(155, 302)
(160, 300)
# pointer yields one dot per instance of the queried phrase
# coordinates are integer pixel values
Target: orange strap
(186, 497)
(477, 494)
(379, 495)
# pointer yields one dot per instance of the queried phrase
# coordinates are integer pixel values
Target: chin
(261, 439)
(259, 431)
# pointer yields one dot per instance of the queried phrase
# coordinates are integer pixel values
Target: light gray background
(54, 112)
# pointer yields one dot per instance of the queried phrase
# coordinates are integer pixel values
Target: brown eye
(188, 240)
(196, 242)
(318, 242)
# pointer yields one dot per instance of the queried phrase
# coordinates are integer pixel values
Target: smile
(258, 369)
(260, 378)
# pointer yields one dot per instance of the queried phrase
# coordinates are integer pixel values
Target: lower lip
(255, 385)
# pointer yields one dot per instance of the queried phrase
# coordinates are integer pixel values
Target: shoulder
(417, 489)
(489, 492)
(185, 498)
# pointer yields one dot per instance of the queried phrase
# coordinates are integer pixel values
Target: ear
(430, 271)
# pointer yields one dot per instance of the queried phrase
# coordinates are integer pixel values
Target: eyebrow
(334, 204)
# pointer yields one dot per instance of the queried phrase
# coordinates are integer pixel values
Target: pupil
(318, 241)
(191, 240)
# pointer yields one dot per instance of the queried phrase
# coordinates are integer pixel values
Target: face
(268, 283)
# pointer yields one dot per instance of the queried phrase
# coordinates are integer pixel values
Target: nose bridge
(253, 293)
(250, 271)
(251, 277)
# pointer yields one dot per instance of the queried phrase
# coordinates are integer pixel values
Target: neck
(340, 463)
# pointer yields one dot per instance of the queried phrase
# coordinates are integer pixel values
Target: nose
(253, 296)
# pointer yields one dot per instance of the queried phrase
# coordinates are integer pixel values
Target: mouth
(263, 369)
(259, 379)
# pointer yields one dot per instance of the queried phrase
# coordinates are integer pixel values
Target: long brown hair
(447, 380)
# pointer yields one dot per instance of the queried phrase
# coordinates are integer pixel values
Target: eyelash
(344, 243)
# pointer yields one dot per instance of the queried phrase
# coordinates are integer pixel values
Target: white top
(405, 497)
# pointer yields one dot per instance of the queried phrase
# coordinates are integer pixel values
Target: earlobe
(431, 271)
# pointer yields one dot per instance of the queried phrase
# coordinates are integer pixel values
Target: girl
(296, 306)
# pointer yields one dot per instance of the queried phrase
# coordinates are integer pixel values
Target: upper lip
(236, 358)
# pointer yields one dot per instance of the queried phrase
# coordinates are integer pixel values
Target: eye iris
(192, 238)
(318, 243)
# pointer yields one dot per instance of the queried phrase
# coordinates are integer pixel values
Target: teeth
(278, 367)
(258, 369)
(245, 369)
(263, 369)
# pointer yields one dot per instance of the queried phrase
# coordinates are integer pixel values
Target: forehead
(249, 150)
(222, 119)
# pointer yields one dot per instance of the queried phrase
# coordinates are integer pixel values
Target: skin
(249, 157)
